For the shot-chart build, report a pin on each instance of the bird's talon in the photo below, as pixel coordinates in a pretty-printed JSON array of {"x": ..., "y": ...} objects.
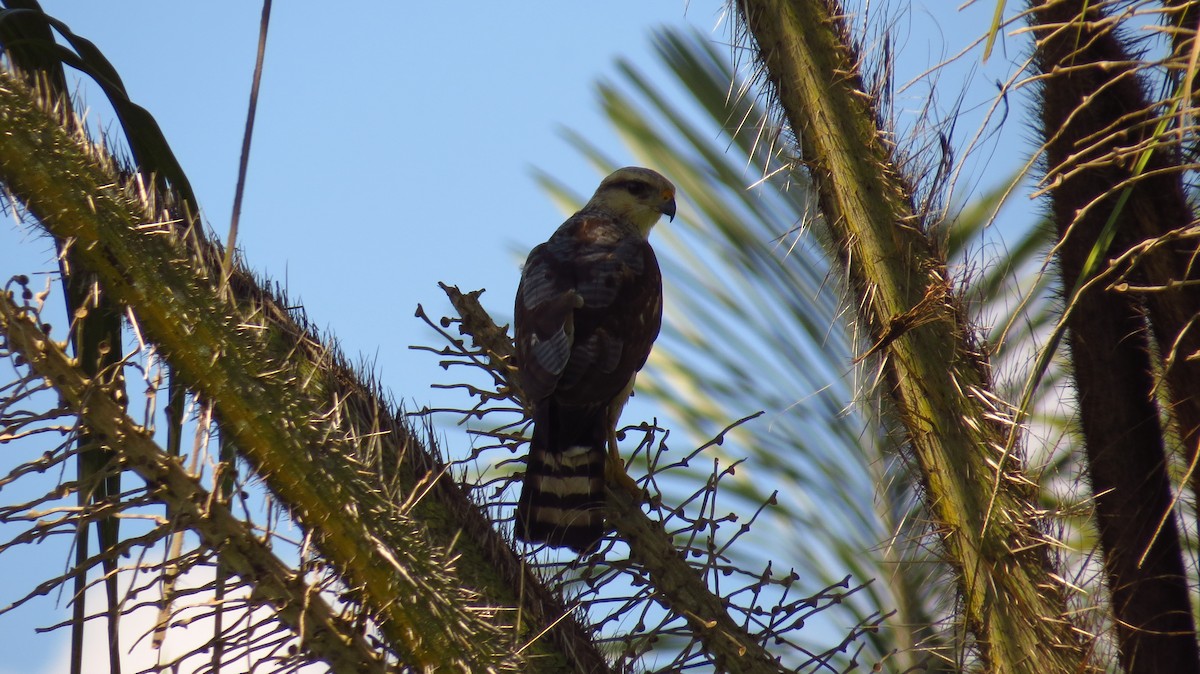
[{"x": 615, "y": 475}]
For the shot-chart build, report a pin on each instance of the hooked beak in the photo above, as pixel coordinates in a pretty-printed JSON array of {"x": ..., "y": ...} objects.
[{"x": 668, "y": 208}]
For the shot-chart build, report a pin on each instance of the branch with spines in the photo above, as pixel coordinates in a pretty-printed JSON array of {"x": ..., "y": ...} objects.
[
  {"x": 274, "y": 384},
  {"x": 328, "y": 637},
  {"x": 936, "y": 380}
]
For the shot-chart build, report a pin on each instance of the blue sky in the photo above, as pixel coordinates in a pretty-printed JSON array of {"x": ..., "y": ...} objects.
[
  {"x": 392, "y": 150},
  {"x": 390, "y": 153}
]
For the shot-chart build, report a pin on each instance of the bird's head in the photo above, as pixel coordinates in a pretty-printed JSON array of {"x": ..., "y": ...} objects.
[{"x": 637, "y": 194}]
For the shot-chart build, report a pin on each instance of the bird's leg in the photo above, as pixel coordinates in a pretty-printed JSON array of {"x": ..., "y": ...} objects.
[{"x": 614, "y": 469}]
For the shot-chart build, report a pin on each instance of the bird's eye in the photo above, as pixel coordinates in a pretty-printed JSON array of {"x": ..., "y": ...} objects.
[{"x": 638, "y": 190}]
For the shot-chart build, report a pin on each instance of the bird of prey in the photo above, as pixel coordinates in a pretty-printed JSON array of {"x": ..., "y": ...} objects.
[{"x": 587, "y": 312}]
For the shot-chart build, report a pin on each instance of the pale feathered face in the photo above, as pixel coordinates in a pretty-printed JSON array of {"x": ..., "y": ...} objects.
[{"x": 638, "y": 195}]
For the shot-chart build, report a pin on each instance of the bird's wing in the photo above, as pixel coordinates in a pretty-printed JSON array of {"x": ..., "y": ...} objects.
[
  {"x": 587, "y": 312},
  {"x": 543, "y": 323}
]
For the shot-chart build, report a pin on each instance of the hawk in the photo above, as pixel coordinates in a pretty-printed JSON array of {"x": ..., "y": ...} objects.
[{"x": 587, "y": 312}]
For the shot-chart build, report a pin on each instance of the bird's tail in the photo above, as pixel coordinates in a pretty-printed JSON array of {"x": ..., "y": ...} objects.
[{"x": 563, "y": 495}]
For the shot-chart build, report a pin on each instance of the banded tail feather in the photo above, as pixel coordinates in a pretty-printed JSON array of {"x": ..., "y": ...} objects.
[{"x": 562, "y": 498}]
